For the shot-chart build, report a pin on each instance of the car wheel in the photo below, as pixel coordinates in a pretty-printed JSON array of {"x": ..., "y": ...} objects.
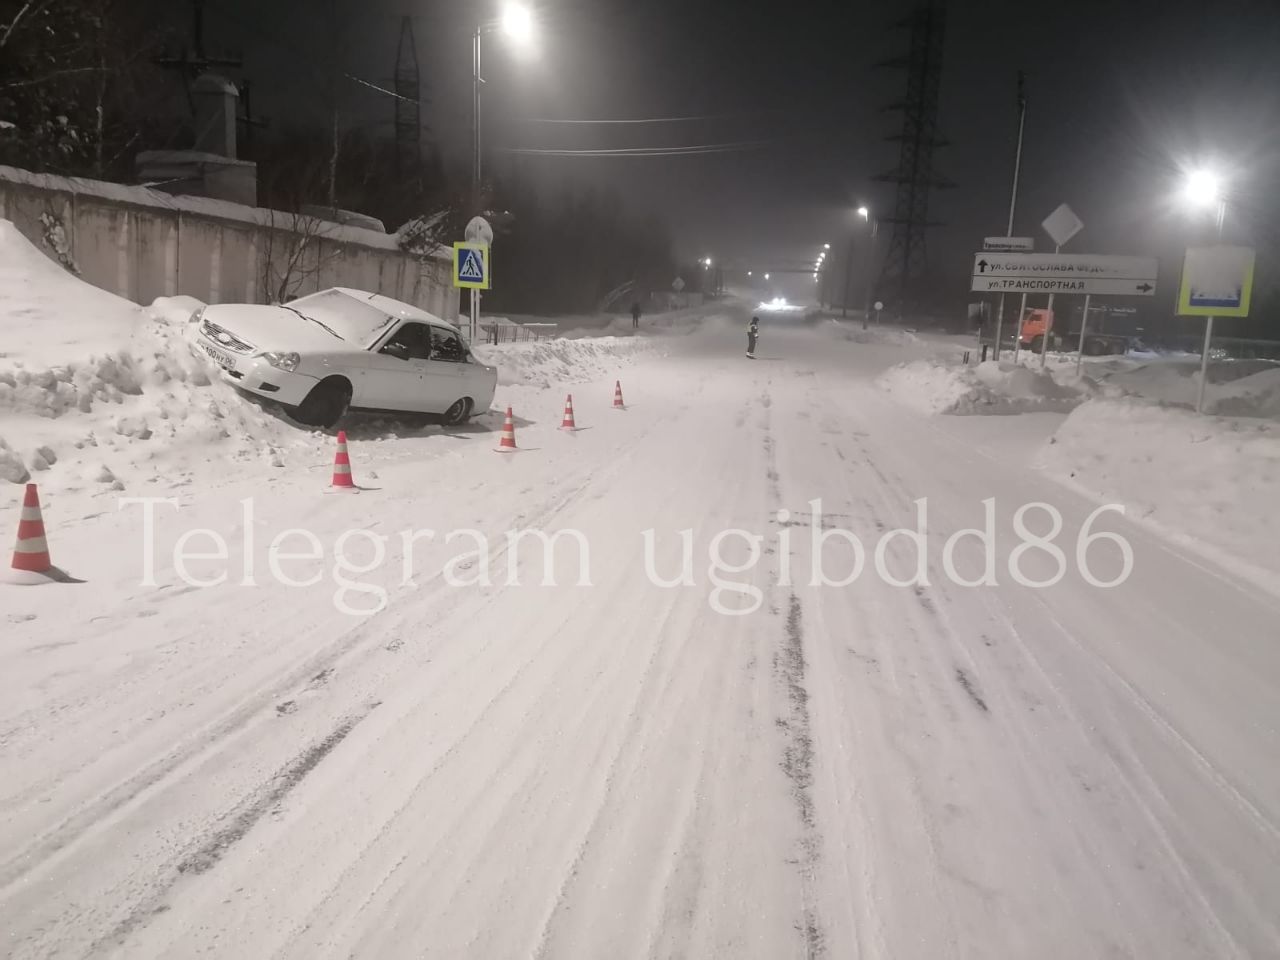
[
  {"x": 1036, "y": 343},
  {"x": 457, "y": 414},
  {"x": 326, "y": 404}
]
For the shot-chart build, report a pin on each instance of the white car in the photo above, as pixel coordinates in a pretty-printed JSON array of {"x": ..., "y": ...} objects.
[{"x": 341, "y": 349}]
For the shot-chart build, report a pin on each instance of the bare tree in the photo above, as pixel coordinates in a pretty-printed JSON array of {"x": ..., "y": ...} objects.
[{"x": 295, "y": 254}]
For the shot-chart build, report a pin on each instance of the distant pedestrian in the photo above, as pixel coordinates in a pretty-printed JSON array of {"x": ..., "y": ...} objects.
[
  {"x": 753, "y": 334},
  {"x": 635, "y": 315}
]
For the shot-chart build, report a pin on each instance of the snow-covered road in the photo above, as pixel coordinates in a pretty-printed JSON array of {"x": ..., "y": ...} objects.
[{"x": 620, "y": 770}]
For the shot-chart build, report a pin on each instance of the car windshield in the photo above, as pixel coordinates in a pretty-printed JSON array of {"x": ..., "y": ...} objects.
[{"x": 343, "y": 315}]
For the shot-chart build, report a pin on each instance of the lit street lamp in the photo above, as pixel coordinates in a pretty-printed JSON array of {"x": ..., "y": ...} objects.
[
  {"x": 865, "y": 214},
  {"x": 517, "y": 23}
]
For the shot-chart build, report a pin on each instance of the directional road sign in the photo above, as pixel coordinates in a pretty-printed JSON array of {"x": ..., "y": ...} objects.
[
  {"x": 995, "y": 272},
  {"x": 1216, "y": 282},
  {"x": 471, "y": 266}
]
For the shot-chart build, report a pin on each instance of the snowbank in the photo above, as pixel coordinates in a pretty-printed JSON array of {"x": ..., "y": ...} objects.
[
  {"x": 545, "y": 363},
  {"x": 935, "y": 387},
  {"x": 97, "y": 392},
  {"x": 852, "y": 331},
  {"x": 49, "y": 317},
  {"x": 1213, "y": 480},
  {"x": 1236, "y": 388}
]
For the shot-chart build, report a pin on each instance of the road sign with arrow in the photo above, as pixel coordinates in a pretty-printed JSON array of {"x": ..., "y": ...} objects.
[{"x": 1064, "y": 273}]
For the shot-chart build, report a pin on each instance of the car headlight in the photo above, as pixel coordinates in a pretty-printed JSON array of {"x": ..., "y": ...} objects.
[
  {"x": 282, "y": 361},
  {"x": 197, "y": 316}
]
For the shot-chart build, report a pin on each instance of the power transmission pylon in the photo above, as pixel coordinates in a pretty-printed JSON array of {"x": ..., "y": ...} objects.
[
  {"x": 408, "y": 112},
  {"x": 906, "y": 259}
]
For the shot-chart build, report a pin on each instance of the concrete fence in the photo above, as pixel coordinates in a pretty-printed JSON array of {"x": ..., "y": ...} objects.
[{"x": 142, "y": 244}]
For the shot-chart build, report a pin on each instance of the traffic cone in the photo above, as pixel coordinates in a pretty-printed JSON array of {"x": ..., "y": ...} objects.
[
  {"x": 31, "y": 554},
  {"x": 567, "y": 423},
  {"x": 508, "y": 441},
  {"x": 617, "y": 395},
  {"x": 342, "y": 463}
]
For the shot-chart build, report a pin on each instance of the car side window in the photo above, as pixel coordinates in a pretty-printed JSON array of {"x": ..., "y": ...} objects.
[
  {"x": 446, "y": 346},
  {"x": 410, "y": 342}
]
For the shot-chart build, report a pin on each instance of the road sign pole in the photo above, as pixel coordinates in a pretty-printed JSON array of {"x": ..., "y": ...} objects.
[
  {"x": 1053, "y": 321},
  {"x": 1204, "y": 365},
  {"x": 1017, "y": 331},
  {"x": 1084, "y": 322},
  {"x": 999, "y": 328}
]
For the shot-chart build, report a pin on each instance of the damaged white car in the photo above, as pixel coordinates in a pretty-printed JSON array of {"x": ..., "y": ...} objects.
[{"x": 342, "y": 349}]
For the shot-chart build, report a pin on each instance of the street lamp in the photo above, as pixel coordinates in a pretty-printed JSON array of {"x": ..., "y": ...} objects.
[
  {"x": 826, "y": 246},
  {"x": 518, "y": 25},
  {"x": 864, "y": 213}
]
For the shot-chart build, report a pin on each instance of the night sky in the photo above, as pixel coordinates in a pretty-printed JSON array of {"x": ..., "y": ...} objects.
[{"x": 1121, "y": 97}]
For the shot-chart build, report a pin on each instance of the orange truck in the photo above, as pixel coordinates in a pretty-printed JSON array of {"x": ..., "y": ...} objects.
[{"x": 1037, "y": 323}]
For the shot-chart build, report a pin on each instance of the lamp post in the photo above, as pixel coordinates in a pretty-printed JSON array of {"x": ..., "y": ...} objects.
[
  {"x": 871, "y": 237},
  {"x": 1203, "y": 188},
  {"x": 517, "y": 23},
  {"x": 865, "y": 214}
]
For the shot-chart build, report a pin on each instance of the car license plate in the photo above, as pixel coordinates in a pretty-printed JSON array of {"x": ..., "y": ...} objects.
[{"x": 224, "y": 360}]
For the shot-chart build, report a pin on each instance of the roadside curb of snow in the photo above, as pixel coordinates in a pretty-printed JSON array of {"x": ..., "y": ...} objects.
[
  {"x": 937, "y": 387},
  {"x": 1203, "y": 483}
]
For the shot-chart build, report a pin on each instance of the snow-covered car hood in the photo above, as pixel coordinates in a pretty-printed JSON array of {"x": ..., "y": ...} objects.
[{"x": 275, "y": 328}]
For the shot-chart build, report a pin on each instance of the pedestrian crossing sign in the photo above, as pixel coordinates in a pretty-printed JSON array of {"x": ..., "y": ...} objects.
[{"x": 471, "y": 266}]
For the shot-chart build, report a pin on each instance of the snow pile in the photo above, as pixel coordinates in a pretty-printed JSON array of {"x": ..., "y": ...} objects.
[
  {"x": 96, "y": 392},
  {"x": 927, "y": 385},
  {"x": 852, "y": 331},
  {"x": 1237, "y": 388},
  {"x": 1211, "y": 479},
  {"x": 1257, "y": 395},
  {"x": 546, "y": 363},
  {"x": 935, "y": 387}
]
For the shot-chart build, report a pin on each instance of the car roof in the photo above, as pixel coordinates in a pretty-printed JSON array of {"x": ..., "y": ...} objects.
[{"x": 396, "y": 308}]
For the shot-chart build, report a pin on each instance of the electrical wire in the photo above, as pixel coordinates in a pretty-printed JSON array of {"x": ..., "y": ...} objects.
[
  {"x": 709, "y": 116},
  {"x": 682, "y": 151}
]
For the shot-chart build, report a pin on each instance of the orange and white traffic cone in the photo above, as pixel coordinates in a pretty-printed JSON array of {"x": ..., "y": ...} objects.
[
  {"x": 31, "y": 554},
  {"x": 567, "y": 423},
  {"x": 342, "y": 463},
  {"x": 617, "y": 395},
  {"x": 508, "y": 441}
]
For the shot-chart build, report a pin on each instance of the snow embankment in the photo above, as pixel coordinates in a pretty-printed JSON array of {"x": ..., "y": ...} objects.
[
  {"x": 938, "y": 387},
  {"x": 547, "y": 363},
  {"x": 852, "y": 330},
  {"x": 1235, "y": 388},
  {"x": 1210, "y": 480},
  {"x": 97, "y": 392}
]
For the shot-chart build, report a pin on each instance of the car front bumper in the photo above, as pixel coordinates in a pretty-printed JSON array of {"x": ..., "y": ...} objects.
[{"x": 253, "y": 374}]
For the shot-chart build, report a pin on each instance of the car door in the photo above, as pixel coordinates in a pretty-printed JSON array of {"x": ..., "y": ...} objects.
[
  {"x": 445, "y": 378},
  {"x": 397, "y": 367}
]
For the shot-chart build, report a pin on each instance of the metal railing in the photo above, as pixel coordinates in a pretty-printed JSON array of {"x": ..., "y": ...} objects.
[{"x": 508, "y": 332}]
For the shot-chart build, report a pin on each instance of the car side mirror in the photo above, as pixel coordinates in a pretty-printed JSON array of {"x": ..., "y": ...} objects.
[{"x": 398, "y": 350}]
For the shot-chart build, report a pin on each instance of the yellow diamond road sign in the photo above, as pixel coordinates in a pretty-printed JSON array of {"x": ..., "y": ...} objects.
[{"x": 471, "y": 266}]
